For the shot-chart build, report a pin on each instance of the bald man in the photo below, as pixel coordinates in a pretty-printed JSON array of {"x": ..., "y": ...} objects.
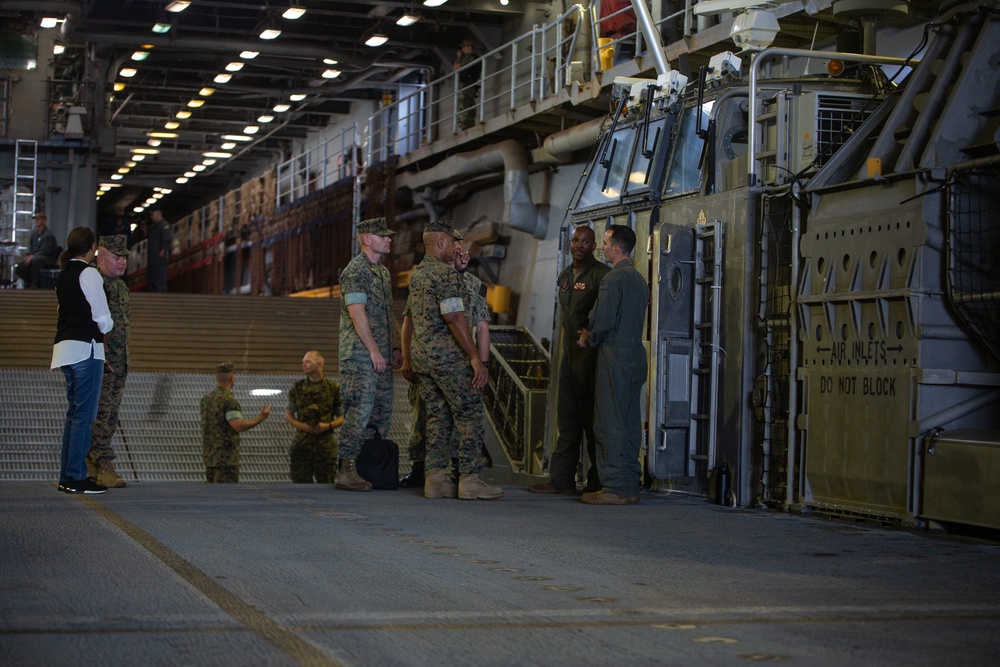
[{"x": 314, "y": 410}]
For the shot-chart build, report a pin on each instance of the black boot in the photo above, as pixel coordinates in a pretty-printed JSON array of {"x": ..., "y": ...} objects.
[{"x": 414, "y": 478}]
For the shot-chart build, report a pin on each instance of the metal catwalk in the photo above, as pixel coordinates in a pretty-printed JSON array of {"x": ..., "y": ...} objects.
[{"x": 185, "y": 573}]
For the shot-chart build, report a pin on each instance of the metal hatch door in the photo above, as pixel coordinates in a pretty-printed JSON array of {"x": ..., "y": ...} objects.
[{"x": 669, "y": 454}]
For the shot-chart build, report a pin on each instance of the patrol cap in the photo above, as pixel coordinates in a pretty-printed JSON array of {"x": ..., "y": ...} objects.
[
  {"x": 443, "y": 226},
  {"x": 375, "y": 226},
  {"x": 224, "y": 367},
  {"x": 115, "y": 244}
]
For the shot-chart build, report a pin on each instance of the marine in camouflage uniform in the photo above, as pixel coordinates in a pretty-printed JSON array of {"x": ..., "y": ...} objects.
[
  {"x": 468, "y": 86},
  {"x": 221, "y": 424},
  {"x": 440, "y": 353},
  {"x": 367, "y": 353},
  {"x": 314, "y": 410},
  {"x": 477, "y": 312},
  {"x": 112, "y": 258}
]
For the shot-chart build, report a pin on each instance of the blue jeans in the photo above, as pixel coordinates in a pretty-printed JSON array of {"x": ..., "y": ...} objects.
[{"x": 83, "y": 391}]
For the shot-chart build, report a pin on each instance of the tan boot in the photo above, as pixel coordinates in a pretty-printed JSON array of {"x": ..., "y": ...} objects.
[
  {"x": 438, "y": 484},
  {"x": 108, "y": 476},
  {"x": 348, "y": 478},
  {"x": 470, "y": 487},
  {"x": 92, "y": 469}
]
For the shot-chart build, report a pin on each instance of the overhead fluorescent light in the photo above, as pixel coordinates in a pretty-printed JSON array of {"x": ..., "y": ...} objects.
[
  {"x": 182, "y": 114},
  {"x": 331, "y": 73},
  {"x": 434, "y": 3},
  {"x": 49, "y": 22},
  {"x": 154, "y": 142},
  {"x": 409, "y": 18},
  {"x": 228, "y": 146},
  {"x": 208, "y": 162},
  {"x": 297, "y": 97},
  {"x": 162, "y": 135},
  {"x": 138, "y": 209},
  {"x": 171, "y": 125},
  {"x": 249, "y": 55},
  {"x": 105, "y": 187},
  {"x": 198, "y": 167},
  {"x": 281, "y": 108},
  {"x": 127, "y": 72},
  {"x": 123, "y": 170},
  {"x": 116, "y": 177},
  {"x": 189, "y": 174},
  {"x": 235, "y": 66},
  {"x": 377, "y": 39},
  {"x": 178, "y": 6},
  {"x": 251, "y": 129},
  {"x": 265, "y": 118},
  {"x": 119, "y": 86},
  {"x": 293, "y": 13},
  {"x": 157, "y": 196},
  {"x": 329, "y": 61},
  {"x": 222, "y": 78},
  {"x": 196, "y": 103},
  {"x": 131, "y": 163},
  {"x": 181, "y": 179},
  {"x": 161, "y": 28},
  {"x": 236, "y": 137},
  {"x": 140, "y": 55},
  {"x": 140, "y": 150},
  {"x": 218, "y": 154},
  {"x": 58, "y": 48},
  {"x": 138, "y": 158},
  {"x": 206, "y": 92},
  {"x": 270, "y": 33}
]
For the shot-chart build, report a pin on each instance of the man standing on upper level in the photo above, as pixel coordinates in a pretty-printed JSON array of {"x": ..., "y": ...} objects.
[
  {"x": 158, "y": 239},
  {"x": 368, "y": 353}
]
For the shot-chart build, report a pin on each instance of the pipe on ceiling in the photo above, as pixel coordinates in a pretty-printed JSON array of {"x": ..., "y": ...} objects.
[{"x": 70, "y": 8}]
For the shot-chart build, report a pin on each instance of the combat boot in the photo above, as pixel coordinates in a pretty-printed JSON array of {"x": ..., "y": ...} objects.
[
  {"x": 348, "y": 478},
  {"x": 470, "y": 487},
  {"x": 92, "y": 469},
  {"x": 439, "y": 485},
  {"x": 415, "y": 477},
  {"x": 108, "y": 476}
]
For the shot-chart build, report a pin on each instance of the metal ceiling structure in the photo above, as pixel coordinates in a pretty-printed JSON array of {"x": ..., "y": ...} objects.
[{"x": 207, "y": 38}]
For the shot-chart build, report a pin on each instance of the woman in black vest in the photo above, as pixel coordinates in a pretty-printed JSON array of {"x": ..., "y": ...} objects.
[{"x": 84, "y": 318}]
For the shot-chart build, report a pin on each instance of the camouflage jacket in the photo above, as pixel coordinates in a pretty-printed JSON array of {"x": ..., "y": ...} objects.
[
  {"x": 315, "y": 402},
  {"x": 116, "y": 340},
  {"x": 365, "y": 282},
  {"x": 220, "y": 443},
  {"x": 435, "y": 287},
  {"x": 476, "y": 309}
]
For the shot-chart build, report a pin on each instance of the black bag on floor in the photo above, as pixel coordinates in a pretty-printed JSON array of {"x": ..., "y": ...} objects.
[{"x": 378, "y": 462}]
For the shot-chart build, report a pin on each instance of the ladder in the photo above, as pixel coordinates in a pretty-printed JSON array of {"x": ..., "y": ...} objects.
[{"x": 25, "y": 177}]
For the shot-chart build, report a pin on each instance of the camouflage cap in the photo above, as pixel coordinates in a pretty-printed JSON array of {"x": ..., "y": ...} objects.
[
  {"x": 375, "y": 226},
  {"x": 224, "y": 367},
  {"x": 443, "y": 226},
  {"x": 116, "y": 244}
]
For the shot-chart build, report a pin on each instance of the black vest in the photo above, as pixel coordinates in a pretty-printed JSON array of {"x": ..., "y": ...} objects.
[{"x": 76, "y": 320}]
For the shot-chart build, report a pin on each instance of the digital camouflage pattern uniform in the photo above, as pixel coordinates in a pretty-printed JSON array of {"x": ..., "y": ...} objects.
[
  {"x": 220, "y": 443},
  {"x": 577, "y": 366},
  {"x": 444, "y": 374},
  {"x": 115, "y": 371},
  {"x": 476, "y": 310},
  {"x": 468, "y": 91},
  {"x": 367, "y": 395},
  {"x": 616, "y": 329},
  {"x": 314, "y": 454}
]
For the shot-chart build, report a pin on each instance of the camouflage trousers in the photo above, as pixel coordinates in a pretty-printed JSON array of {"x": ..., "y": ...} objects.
[
  {"x": 313, "y": 455},
  {"x": 367, "y": 399},
  {"x": 467, "y": 107},
  {"x": 222, "y": 474},
  {"x": 455, "y": 416},
  {"x": 106, "y": 423}
]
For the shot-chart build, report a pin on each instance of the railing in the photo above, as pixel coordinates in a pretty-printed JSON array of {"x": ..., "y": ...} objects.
[{"x": 319, "y": 166}]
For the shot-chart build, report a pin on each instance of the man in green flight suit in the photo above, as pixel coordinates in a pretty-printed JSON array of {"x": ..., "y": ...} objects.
[
  {"x": 578, "y": 288},
  {"x": 367, "y": 351},
  {"x": 616, "y": 330},
  {"x": 221, "y": 424},
  {"x": 112, "y": 258},
  {"x": 447, "y": 363},
  {"x": 314, "y": 410}
]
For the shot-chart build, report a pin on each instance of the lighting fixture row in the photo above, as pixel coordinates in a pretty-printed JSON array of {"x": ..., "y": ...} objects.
[{"x": 292, "y": 13}]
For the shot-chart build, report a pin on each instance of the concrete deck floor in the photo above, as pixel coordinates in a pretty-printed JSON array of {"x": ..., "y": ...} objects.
[{"x": 193, "y": 574}]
